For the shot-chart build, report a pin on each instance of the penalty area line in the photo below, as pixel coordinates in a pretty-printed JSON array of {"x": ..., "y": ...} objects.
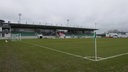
[{"x": 49, "y": 48}]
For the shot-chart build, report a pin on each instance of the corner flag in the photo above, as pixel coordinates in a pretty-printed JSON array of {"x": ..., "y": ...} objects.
[
  {"x": 94, "y": 34},
  {"x": 95, "y": 46}
]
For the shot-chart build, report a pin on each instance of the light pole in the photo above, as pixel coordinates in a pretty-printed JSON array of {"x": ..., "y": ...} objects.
[
  {"x": 19, "y": 21},
  {"x": 67, "y": 22}
]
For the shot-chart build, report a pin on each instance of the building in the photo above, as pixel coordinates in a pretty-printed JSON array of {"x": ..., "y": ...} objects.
[
  {"x": 32, "y": 30},
  {"x": 117, "y": 35}
]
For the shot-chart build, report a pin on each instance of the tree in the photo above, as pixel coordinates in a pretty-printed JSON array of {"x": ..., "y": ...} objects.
[{"x": 113, "y": 31}]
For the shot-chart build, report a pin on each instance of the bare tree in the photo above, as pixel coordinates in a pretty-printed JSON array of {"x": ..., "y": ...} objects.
[{"x": 113, "y": 31}]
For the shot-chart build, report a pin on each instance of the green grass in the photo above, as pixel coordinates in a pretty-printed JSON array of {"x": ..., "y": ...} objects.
[{"x": 23, "y": 56}]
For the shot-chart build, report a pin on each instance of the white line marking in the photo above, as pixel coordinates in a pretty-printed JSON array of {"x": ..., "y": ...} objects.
[
  {"x": 61, "y": 51},
  {"x": 93, "y": 57},
  {"x": 113, "y": 56},
  {"x": 87, "y": 58}
]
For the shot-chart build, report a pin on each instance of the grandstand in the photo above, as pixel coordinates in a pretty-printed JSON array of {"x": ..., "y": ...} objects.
[{"x": 33, "y": 30}]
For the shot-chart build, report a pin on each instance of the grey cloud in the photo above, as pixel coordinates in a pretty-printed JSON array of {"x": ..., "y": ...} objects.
[{"x": 108, "y": 14}]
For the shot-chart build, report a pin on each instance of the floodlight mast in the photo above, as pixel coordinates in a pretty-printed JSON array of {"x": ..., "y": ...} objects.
[
  {"x": 19, "y": 21},
  {"x": 67, "y": 22},
  {"x": 95, "y": 46}
]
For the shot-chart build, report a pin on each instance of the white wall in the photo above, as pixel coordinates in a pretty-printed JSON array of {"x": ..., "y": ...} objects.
[
  {"x": 127, "y": 34},
  {"x": 8, "y": 35},
  {"x": 0, "y": 29}
]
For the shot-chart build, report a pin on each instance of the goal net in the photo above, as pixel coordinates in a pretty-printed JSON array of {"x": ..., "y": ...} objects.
[{"x": 15, "y": 37}]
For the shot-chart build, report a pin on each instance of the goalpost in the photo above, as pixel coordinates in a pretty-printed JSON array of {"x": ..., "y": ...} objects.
[{"x": 15, "y": 37}]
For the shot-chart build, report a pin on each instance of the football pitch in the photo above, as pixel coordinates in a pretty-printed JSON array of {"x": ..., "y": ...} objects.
[{"x": 64, "y": 55}]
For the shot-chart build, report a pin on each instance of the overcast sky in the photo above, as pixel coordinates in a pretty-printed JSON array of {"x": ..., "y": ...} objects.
[{"x": 107, "y": 14}]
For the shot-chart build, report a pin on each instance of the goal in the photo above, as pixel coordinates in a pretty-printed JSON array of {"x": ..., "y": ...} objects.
[{"x": 15, "y": 37}]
